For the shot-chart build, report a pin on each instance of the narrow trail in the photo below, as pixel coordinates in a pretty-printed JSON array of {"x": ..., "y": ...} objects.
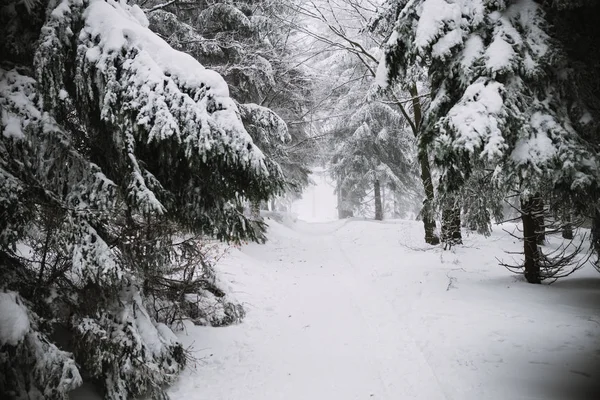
[
  {"x": 323, "y": 331},
  {"x": 334, "y": 314}
]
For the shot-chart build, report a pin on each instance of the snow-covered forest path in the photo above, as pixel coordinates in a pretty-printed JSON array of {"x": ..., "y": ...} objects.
[{"x": 359, "y": 310}]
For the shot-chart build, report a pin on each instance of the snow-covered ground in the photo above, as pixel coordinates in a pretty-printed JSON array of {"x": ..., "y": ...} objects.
[{"x": 360, "y": 309}]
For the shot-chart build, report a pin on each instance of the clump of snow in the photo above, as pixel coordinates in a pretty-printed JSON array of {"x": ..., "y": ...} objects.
[
  {"x": 11, "y": 126},
  {"x": 209, "y": 305},
  {"x": 154, "y": 336},
  {"x": 116, "y": 28},
  {"x": 499, "y": 54},
  {"x": 477, "y": 119},
  {"x": 163, "y": 84},
  {"x": 270, "y": 125},
  {"x": 139, "y": 15},
  {"x": 381, "y": 76},
  {"x": 166, "y": 333},
  {"x": 537, "y": 149},
  {"x": 435, "y": 15},
  {"x": 446, "y": 43},
  {"x": 527, "y": 14},
  {"x": 14, "y": 320},
  {"x": 92, "y": 257},
  {"x": 18, "y": 102}
]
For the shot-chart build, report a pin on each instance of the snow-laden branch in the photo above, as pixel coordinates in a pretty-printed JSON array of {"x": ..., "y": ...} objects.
[{"x": 159, "y": 6}]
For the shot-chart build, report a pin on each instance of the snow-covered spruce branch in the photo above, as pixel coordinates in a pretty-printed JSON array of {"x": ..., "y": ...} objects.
[{"x": 159, "y": 6}]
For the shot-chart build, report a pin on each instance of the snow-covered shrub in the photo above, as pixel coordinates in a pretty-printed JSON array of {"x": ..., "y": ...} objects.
[
  {"x": 210, "y": 308},
  {"x": 191, "y": 289},
  {"x": 124, "y": 349}
]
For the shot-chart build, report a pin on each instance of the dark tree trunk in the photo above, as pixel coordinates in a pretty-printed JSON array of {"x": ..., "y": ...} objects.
[
  {"x": 596, "y": 232},
  {"x": 456, "y": 225},
  {"x": 567, "y": 226},
  {"x": 255, "y": 209},
  {"x": 530, "y": 241},
  {"x": 537, "y": 204},
  {"x": 396, "y": 206},
  {"x": 342, "y": 211},
  {"x": 378, "y": 205},
  {"x": 451, "y": 234},
  {"x": 567, "y": 231},
  {"x": 429, "y": 223},
  {"x": 383, "y": 202},
  {"x": 427, "y": 211}
]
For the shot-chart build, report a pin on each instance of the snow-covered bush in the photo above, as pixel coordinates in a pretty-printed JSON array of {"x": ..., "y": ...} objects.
[{"x": 124, "y": 349}]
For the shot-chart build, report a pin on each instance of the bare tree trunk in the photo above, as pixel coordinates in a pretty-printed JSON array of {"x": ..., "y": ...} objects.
[
  {"x": 255, "y": 209},
  {"x": 530, "y": 241},
  {"x": 378, "y": 206},
  {"x": 383, "y": 193},
  {"x": 396, "y": 205},
  {"x": 595, "y": 232},
  {"x": 427, "y": 211},
  {"x": 451, "y": 234},
  {"x": 537, "y": 204},
  {"x": 456, "y": 223},
  {"x": 342, "y": 211},
  {"x": 567, "y": 226}
]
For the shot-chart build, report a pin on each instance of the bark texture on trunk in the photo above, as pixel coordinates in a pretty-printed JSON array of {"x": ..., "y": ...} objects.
[
  {"x": 429, "y": 223},
  {"x": 567, "y": 231},
  {"x": 537, "y": 204},
  {"x": 567, "y": 223},
  {"x": 427, "y": 211},
  {"x": 451, "y": 234},
  {"x": 530, "y": 241},
  {"x": 378, "y": 205},
  {"x": 342, "y": 211},
  {"x": 596, "y": 232},
  {"x": 255, "y": 209}
]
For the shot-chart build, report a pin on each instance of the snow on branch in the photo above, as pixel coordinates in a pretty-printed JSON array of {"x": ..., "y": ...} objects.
[
  {"x": 57, "y": 165},
  {"x": 159, "y": 6},
  {"x": 263, "y": 124},
  {"x": 148, "y": 96}
]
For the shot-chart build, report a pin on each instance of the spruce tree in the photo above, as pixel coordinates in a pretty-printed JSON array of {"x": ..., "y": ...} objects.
[
  {"x": 249, "y": 44},
  {"x": 499, "y": 100},
  {"x": 114, "y": 147}
]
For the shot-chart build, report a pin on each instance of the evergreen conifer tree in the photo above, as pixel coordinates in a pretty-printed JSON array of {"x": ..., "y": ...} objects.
[
  {"x": 499, "y": 100},
  {"x": 114, "y": 146}
]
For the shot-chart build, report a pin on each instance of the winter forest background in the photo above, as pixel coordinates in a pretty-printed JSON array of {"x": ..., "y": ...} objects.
[{"x": 146, "y": 141}]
